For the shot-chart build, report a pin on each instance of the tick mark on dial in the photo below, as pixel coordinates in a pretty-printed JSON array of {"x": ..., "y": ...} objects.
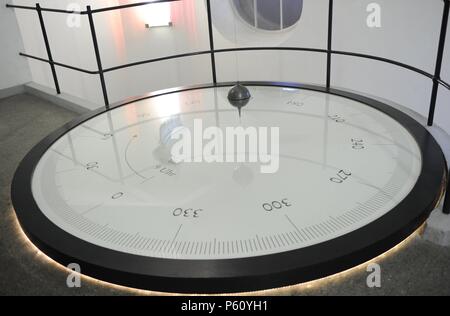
[
  {"x": 176, "y": 234},
  {"x": 171, "y": 247},
  {"x": 66, "y": 170},
  {"x": 91, "y": 209},
  {"x": 147, "y": 179},
  {"x": 292, "y": 223}
]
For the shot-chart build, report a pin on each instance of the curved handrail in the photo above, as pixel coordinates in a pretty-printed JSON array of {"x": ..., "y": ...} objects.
[
  {"x": 104, "y": 9},
  {"x": 226, "y": 50},
  {"x": 436, "y": 77}
]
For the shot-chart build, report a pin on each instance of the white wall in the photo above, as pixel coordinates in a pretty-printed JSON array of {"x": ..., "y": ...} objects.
[
  {"x": 409, "y": 34},
  {"x": 14, "y": 70}
]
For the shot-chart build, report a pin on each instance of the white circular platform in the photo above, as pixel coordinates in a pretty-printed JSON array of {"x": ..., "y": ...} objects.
[{"x": 111, "y": 182}]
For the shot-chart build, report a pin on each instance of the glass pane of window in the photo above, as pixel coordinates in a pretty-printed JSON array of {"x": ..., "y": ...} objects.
[
  {"x": 271, "y": 15},
  {"x": 292, "y": 11},
  {"x": 268, "y": 15},
  {"x": 246, "y": 10}
]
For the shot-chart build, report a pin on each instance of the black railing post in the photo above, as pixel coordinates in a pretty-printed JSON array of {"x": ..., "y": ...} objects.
[
  {"x": 330, "y": 42},
  {"x": 211, "y": 42},
  {"x": 47, "y": 47},
  {"x": 446, "y": 207},
  {"x": 97, "y": 56},
  {"x": 440, "y": 55}
]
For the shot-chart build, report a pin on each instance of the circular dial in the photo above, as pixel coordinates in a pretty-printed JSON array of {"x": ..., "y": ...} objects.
[{"x": 111, "y": 181}]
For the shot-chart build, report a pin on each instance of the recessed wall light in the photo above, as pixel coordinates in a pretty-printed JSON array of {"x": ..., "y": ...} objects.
[{"x": 158, "y": 15}]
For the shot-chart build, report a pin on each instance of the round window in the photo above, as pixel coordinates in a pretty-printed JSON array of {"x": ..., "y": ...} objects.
[{"x": 269, "y": 15}]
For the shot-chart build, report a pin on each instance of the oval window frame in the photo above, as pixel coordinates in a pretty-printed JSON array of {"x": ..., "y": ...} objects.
[{"x": 254, "y": 27}]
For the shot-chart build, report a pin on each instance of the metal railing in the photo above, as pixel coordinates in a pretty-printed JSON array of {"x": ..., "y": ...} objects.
[{"x": 435, "y": 77}]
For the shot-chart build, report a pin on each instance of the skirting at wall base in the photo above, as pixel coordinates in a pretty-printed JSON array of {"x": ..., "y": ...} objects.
[
  {"x": 67, "y": 101},
  {"x": 8, "y": 92}
]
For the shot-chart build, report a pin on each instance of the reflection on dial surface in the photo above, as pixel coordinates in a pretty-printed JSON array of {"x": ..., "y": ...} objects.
[{"x": 110, "y": 181}]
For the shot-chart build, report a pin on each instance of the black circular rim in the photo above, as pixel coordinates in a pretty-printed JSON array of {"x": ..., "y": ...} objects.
[{"x": 241, "y": 274}]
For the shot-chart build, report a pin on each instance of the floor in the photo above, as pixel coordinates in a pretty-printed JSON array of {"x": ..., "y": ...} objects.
[{"x": 417, "y": 268}]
